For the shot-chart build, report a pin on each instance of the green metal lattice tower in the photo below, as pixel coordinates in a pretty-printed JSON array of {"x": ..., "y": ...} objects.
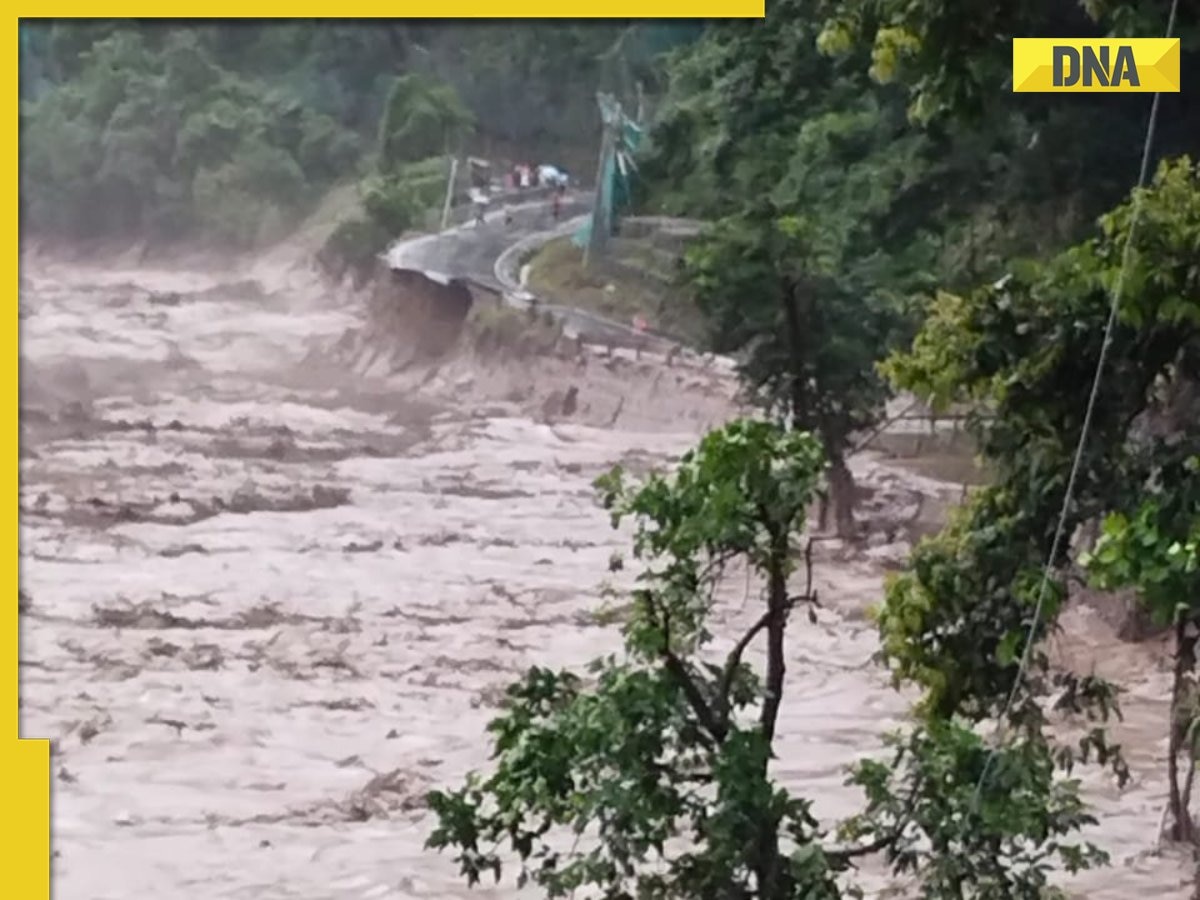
[{"x": 620, "y": 136}]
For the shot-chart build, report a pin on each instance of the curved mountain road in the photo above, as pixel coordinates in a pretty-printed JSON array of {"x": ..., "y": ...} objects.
[{"x": 469, "y": 251}]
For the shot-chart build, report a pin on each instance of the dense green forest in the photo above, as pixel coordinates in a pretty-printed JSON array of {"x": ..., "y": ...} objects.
[{"x": 234, "y": 130}]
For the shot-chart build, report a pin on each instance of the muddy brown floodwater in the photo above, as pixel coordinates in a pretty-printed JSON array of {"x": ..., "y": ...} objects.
[{"x": 271, "y": 599}]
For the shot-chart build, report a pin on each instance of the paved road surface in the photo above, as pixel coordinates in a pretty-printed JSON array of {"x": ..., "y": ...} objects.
[{"x": 471, "y": 251}]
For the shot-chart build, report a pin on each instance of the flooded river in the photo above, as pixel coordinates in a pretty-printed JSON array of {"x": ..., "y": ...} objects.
[{"x": 271, "y": 599}]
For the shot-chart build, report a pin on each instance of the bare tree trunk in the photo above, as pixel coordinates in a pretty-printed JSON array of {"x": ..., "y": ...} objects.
[
  {"x": 796, "y": 388},
  {"x": 769, "y": 869},
  {"x": 822, "y": 509},
  {"x": 777, "y": 599},
  {"x": 841, "y": 496},
  {"x": 1182, "y": 828}
]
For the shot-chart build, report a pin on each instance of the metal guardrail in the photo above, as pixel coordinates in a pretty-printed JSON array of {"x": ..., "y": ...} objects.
[
  {"x": 508, "y": 264},
  {"x": 578, "y": 323}
]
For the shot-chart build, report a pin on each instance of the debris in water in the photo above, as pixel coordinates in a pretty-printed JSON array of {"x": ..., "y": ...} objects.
[
  {"x": 385, "y": 795},
  {"x": 355, "y": 547},
  {"x": 175, "y": 552},
  {"x": 90, "y": 729}
]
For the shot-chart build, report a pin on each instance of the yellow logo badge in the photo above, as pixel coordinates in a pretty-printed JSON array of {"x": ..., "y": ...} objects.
[{"x": 1107, "y": 65}]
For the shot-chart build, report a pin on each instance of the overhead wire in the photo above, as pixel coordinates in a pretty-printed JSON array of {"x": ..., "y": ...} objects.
[{"x": 1098, "y": 377}]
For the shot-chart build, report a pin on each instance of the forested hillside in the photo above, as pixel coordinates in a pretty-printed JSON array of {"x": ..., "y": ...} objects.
[{"x": 233, "y": 130}]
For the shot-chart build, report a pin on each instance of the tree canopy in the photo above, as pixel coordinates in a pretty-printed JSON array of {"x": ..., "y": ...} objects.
[{"x": 233, "y": 130}]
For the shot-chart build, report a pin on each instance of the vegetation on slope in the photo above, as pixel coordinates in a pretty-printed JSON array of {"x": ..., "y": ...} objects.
[
  {"x": 636, "y": 279},
  {"x": 232, "y": 131}
]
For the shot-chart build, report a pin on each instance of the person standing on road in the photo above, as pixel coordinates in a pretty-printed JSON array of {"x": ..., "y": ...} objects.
[{"x": 479, "y": 204}]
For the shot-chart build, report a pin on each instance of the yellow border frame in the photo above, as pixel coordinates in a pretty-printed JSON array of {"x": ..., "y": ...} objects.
[
  {"x": 25, "y": 762},
  {"x": 457, "y": 9}
]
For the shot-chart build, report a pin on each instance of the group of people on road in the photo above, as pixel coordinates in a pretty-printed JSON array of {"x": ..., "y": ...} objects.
[
  {"x": 517, "y": 177},
  {"x": 523, "y": 176},
  {"x": 480, "y": 202}
]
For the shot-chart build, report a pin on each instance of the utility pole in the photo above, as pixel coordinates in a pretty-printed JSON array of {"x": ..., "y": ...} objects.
[{"x": 449, "y": 192}]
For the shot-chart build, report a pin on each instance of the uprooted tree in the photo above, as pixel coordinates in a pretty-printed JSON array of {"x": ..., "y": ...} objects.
[{"x": 650, "y": 774}]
